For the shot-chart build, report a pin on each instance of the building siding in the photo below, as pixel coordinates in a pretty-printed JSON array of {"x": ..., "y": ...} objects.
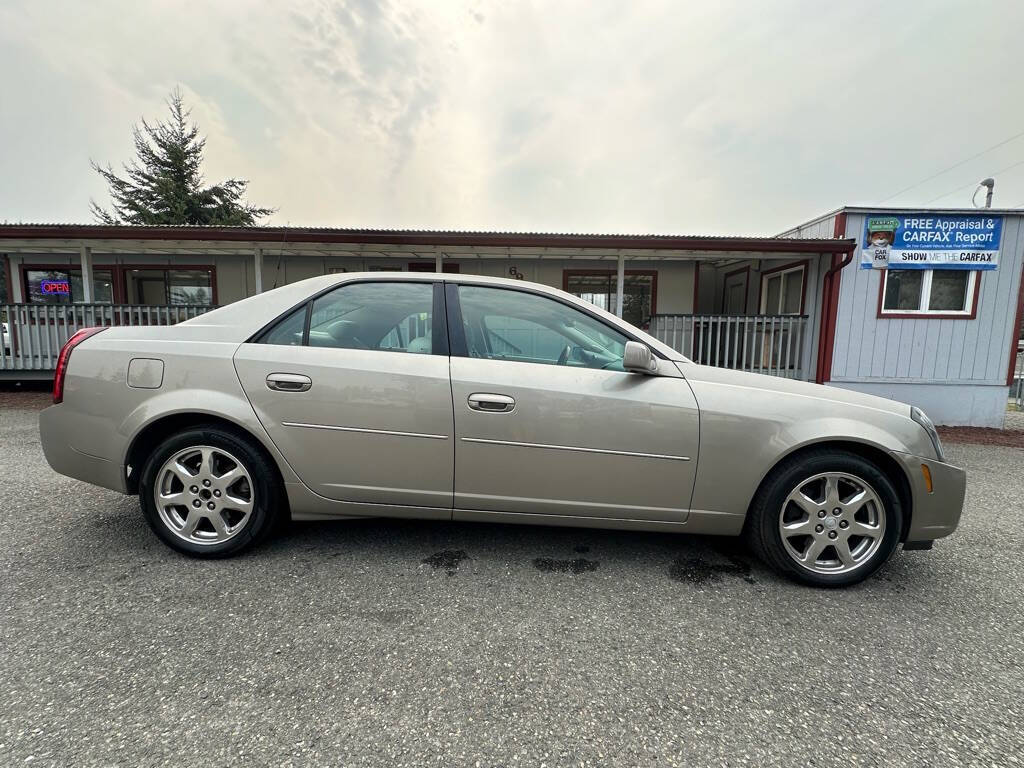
[
  {"x": 924, "y": 350},
  {"x": 235, "y": 274},
  {"x": 955, "y": 369},
  {"x": 818, "y": 229}
]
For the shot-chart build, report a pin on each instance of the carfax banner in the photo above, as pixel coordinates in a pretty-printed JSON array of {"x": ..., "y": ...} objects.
[{"x": 931, "y": 241}]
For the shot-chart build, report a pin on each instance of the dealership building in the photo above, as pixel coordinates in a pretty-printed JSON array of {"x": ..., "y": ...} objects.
[
  {"x": 923, "y": 306},
  {"x": 934, "y": 315}
]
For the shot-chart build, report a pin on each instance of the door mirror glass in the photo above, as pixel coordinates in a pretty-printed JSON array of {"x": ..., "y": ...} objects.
[{"x": 638, "y": 358}]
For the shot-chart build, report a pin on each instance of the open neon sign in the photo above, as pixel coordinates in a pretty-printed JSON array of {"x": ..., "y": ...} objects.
[{"x": 49, "y": 287}]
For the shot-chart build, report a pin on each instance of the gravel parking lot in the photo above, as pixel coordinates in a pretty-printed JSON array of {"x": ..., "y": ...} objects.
[{"x": 402, "y": 643}]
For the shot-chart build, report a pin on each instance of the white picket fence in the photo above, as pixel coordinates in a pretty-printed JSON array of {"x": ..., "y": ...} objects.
[
  {"x": 31, "y": 335},
  {"x": 770, "y": 344}
]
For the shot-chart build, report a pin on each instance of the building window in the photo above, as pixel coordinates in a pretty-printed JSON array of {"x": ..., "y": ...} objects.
[
  {"x": 928, "y": 292},
  {"x": 160, "y": 287},
  {"x": 429, "y": 266},
  {"x": 64, "y": 286},
  {"x": 599, "y": 288},
  {"x": 782, "y": 291}
]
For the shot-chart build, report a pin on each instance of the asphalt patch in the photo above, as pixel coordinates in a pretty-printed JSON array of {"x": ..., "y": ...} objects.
[
  {"x": 449, "y": 560},
  {"x": 550, "y": 565}
]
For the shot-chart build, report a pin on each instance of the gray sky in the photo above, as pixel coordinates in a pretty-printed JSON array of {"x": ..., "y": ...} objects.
[{"x": 598, "y": 116}]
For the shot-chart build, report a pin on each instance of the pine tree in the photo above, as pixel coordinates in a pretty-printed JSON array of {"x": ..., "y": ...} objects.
[{"x": 164, "y": 184}]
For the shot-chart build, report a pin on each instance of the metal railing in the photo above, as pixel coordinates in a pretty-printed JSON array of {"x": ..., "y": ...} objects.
[
  {"x": 771, "y": 344},
  {"x": 31, "y": 335}
]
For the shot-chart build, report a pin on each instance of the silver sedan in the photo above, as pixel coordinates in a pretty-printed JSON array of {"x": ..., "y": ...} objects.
[{"x": 469, "y": 398}]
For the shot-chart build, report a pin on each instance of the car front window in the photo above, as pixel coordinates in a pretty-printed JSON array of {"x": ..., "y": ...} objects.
[{"x": 505, "y": 324}]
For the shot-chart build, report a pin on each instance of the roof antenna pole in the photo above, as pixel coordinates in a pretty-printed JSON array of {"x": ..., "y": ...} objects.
[{"x": 990, "y": 185}]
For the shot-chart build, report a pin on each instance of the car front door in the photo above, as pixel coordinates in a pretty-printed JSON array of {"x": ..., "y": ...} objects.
[
  {"x": 548, "y": 422},
  {"x": 353, "y": 389}
]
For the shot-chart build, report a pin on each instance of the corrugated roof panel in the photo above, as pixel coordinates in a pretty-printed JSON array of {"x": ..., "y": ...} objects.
[{"x": 420, "y": 237}]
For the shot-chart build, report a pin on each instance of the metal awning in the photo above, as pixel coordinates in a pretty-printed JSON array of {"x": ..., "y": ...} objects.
[
  {"x": 275, "y": 242},
  {"x": 302, "y": 241}
]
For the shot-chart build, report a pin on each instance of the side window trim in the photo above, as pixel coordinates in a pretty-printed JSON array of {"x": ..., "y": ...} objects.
[
  {"x": 306, "y": 322},
  {"x": 453, "y": 314},
  {"x": 439, "y": 322},
  {"x": 457, "y": 335}
]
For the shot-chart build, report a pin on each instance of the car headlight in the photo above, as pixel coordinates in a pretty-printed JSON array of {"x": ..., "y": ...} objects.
[{"x": 933, "y": 434}]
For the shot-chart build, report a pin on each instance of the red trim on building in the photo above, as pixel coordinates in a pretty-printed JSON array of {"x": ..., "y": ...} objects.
[
  {"x": 803, "y": 284},
  {"x": 283, "y": 236},
  {"x": 652, "y": 273},
  {"x": 926, "y": 315},
  {"x": 1015, "y": 335},
  {"x": 830, "y": 303}
]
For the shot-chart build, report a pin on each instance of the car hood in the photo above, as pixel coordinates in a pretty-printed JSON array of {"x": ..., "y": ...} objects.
[{"x": 712, "y": 375}]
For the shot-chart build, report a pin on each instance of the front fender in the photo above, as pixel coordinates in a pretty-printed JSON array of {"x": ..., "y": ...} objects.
[{"x": 745, "y": 432}]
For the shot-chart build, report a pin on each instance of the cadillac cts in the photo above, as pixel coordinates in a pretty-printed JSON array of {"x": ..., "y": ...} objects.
[{"x": 469, "y": 398}]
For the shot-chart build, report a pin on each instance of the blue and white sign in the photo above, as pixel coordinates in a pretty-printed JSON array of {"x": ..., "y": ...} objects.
[{"x": 931, "y": 241}]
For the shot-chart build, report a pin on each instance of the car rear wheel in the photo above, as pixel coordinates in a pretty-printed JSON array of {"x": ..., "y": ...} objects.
[
  {"x": 208, "y": 492},
  {"x": 828, "y": 518}
]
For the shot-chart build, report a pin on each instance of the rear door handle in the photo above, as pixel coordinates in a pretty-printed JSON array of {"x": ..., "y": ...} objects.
[
  {"x": 490, "y": 403},
  {"x": 288, "y": 382}
]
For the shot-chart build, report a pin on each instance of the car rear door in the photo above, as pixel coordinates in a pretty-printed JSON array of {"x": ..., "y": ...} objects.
[
  {"x": 353, "y": 388},
  {"x": 548, "y": 422}
]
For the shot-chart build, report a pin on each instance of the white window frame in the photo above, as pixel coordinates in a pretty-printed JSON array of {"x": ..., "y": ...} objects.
[
  {"x": 926, "y": 295},
  {"x": 802, "y": 268}
]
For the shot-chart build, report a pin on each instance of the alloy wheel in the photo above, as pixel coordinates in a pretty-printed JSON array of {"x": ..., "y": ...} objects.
[
  {"x": 832, "y": 523},
  {"x": 204, "y": 495}
]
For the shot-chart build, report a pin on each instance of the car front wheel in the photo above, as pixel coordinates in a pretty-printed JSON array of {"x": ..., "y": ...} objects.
[
  {"x": 829, "y": 518},
  {"x": 208, "y": 492}
]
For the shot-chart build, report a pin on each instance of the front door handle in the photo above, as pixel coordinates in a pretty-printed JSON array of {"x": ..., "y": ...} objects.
[
  {"x": 288, "y": 382},
  {"x": 489, "y": 403}
]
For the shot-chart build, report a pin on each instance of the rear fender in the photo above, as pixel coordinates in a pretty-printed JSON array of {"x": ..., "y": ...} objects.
[{"x": 234, "y": 408}]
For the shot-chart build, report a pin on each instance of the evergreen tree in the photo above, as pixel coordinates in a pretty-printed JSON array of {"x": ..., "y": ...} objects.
[{"x": 164, "y": 184}]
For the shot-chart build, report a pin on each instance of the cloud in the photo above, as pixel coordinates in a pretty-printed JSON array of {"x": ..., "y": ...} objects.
[{"x": 600, "y": 116}]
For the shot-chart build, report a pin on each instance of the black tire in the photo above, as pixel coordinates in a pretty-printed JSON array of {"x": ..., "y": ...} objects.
[
  {"x": 268, "y": 501},
  {"x": 762, "y": 525}
]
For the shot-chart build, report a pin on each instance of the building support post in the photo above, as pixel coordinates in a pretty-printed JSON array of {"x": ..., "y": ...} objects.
[
  {"x": 86, "y": 257},
  {"x": 14, "y": 288},
  {"x": 620, "y": 281},
  {"x": 439, "y": 262},
  {"x": 259, "y": 270}
]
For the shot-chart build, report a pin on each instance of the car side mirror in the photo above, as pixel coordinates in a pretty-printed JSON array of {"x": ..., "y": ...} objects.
[{"x": 638, "y": 358}]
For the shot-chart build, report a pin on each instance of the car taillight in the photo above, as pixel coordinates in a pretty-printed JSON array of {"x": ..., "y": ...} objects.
[{"x": 64, "y": 356}]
